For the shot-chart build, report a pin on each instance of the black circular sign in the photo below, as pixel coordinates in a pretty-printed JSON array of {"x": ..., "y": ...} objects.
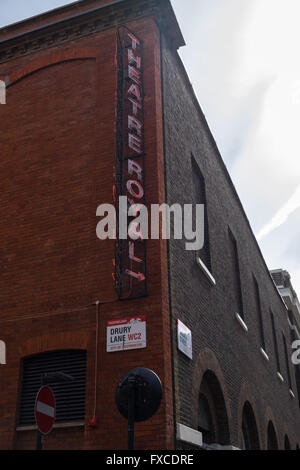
[{"x": 147, "y": 391}]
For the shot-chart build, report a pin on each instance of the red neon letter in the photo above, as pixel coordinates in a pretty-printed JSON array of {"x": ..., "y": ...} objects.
[
  {"x": 134, "y": 41},
  {"x": 135, "y": 91},
  {"x": 131, "y": 253},
  {"x": 135, "y": 124},
  {"x": 140, "y": 192},
  {"x": 132, "y": 59},
  {"x": 134, "y": 167},
  {"x": 134, "y": 74},
  {"x": 135, "y": 143}
]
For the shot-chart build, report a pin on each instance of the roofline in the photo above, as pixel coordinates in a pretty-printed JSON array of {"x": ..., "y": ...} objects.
[
  {"x": 55, "y": 23},
  {"x": 178, "y": 34},
  {"x": 40, "y": 15}
]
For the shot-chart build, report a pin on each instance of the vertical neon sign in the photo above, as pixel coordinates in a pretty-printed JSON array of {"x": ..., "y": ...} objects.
[{"x": 130, "y": 253}]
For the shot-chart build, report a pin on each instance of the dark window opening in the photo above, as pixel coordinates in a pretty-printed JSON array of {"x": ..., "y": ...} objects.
[
  {"x": 237, "y": 275},
  {"x": 205, "y": 423},
  {"x": 250, "y": 439},
  {"x": 200, "y": 198},
  {"x": 69, "y": 396},
  {"x": 275, "y": 342},
  {"x": 272, "y": 438},
  {"x": 212, "y": 413},
  {"x": 287, "y": 361},
  {"x": 259, "y": 314},
  {"x": 287, "y": 445}
]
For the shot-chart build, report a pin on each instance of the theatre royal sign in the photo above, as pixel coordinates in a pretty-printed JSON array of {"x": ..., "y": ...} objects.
[{"x": 130, "y": 275}]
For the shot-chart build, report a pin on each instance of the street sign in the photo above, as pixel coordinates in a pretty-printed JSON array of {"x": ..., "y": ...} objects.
[
  {"x": 138, "y": 397},
  {"x": 184, "y": 339},
  {"x": 126, "y": 334},
  {"x": 45, "y": 410},
  {"x": 147, "y": 392}
]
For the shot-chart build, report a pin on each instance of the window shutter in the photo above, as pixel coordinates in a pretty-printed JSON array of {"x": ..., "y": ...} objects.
[{"x": 69, "y": 396}]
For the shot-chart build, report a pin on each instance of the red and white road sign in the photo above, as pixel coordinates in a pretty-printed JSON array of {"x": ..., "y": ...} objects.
[{"x": 45, "y": 410}]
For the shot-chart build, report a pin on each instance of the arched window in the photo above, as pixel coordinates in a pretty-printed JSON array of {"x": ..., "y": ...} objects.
[
  {"x": 272, "y": 438},
  {"x": 287, "y": 445},
  {"x": 69, "y": 396},
  {"x": 205, "y": 422},
  {"x": 198, "y": 181},
  {"x": 250, "y": 439},
  {"x": 212, "y": 414}
]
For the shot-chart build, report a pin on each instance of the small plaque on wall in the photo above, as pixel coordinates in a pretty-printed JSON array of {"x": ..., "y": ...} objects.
[{"x": 184, "y": 339}]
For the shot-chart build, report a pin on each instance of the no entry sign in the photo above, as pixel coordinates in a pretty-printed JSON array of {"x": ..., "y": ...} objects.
[{"x": 45, "y": 410}]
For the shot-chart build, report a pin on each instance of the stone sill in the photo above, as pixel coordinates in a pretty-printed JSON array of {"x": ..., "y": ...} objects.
[
  {"x": 241, "y": 322},
  {"x": 206, "y": 271},
  {"x": 280, "y": 377},
  {"x": 71, "y": 424},
  {"x": 189, "y": 435},
  {"x": 292, "y": 393},
  {"x": 264, "y": 354}
]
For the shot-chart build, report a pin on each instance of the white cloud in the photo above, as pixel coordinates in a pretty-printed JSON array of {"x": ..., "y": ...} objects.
[
  {"x": 272, "y": 148},
  {"x": 282, "y": 215},
  {"x": 243, "y": 63}
]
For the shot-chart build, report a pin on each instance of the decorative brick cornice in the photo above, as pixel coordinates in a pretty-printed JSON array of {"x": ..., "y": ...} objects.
[{"x": 89, "y": 22}]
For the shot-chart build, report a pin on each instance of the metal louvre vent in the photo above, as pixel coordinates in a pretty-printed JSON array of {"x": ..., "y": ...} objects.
[{"x": 69, "y": 396}]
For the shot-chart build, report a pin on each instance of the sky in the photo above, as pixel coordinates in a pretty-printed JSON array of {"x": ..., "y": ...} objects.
[{"x": 242, "y": 60}]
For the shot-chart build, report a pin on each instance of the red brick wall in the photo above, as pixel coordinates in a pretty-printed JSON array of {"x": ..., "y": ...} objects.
[{"x": 58, "y": 153}]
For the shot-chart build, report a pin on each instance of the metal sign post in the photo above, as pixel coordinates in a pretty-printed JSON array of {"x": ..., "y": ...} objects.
[
  {"x": 45, "y": 407},
  {"x": 131, "y": 408},
  {"x": 39, "y": 441}
]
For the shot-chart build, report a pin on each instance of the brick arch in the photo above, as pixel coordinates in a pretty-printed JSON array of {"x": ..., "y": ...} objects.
[
  {"x": 48, "y": 60},
  {"x": 269, "y": 417},
  {"x": 53, "y": 342},
  {"x": 246, "y": 396},
  {"x": 208, "y": 362}
]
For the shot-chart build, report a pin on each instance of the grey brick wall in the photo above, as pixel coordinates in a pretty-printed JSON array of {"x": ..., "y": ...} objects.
[{"x": 209, "y": 310}]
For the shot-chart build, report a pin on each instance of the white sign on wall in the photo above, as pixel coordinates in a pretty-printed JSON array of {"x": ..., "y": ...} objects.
[
  {"x": 184, "y": 339},
  {"x": 2, "y": 353},
  {"x": 126, "y": 334},
  {"x": 2, "y": 92}
]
